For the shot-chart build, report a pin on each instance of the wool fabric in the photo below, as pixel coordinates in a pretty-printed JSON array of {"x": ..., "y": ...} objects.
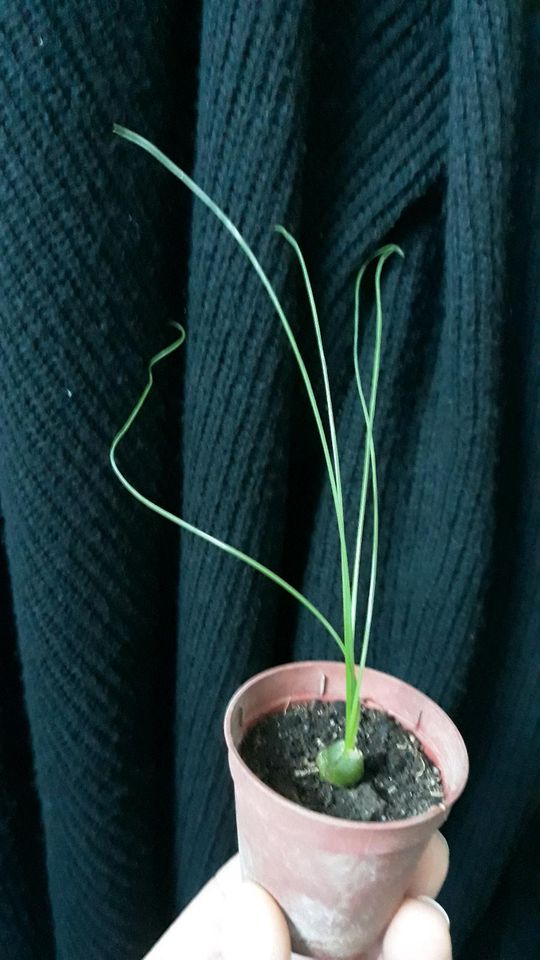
[{"x": 352, "y": 124}]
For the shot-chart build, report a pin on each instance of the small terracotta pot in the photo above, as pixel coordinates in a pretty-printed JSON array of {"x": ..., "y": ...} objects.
[{"x": 338, "y": 881}]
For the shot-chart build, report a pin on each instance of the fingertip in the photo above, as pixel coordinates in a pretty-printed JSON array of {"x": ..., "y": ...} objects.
[
  {"x": 255, "y": 926},
  {"x": 435, "y": 905},
  {"x": 420, "y": 928},
  {"x": 432, "y": 868}
]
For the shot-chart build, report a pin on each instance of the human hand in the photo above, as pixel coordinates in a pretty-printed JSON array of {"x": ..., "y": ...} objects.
[{"x": 231, "y": 920}]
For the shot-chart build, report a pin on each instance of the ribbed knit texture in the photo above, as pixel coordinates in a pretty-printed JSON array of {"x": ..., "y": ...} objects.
[
  {"x": 86, "y": 290},
  {"x": 351, "y": 124},
  {"x": 235, "y": 460}
]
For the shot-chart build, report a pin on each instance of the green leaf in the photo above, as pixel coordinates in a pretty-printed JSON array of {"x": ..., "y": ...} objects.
[{"x": 183, "y": 524}]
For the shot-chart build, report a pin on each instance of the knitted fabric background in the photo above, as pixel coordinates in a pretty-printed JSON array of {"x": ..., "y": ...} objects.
[{"x": 352, "y": 124}]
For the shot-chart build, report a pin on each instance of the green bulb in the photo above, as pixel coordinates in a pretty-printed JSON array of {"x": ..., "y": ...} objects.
[{"x": 340, "y": 766}]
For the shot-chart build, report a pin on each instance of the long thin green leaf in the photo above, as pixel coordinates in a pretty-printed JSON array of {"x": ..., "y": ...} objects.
[
  {"x": 369, "y": 460},
  {"x": 227, "y": 548},
  {"x": 247, "y": 251},
  {"x": 348, "y": 634},
  {"x": 331, "y": 421}
]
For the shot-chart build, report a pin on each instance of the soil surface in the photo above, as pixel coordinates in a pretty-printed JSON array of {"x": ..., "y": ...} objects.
[{"x": 399, "y": 781}]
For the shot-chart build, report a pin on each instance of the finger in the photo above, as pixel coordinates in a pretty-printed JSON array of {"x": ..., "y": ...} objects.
[
  {"x": 255, "y": 928},
  {"x": 420, "y": 929},
  {"x": 197, "y": 932},
  {"x": 432, "y": 868},
  {"x": 228, "y": 877}
]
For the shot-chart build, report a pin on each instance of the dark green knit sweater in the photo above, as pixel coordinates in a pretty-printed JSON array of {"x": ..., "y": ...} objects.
[{"x": 352, "y": 123}]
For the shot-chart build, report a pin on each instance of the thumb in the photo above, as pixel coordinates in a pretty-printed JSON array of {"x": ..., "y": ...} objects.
[
  {"x": 255, "y": 928},
  {"x": 420, "y": 928}
]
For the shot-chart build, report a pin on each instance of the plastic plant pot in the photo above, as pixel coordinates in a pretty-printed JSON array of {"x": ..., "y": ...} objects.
[{"x": 338, "y": 881}]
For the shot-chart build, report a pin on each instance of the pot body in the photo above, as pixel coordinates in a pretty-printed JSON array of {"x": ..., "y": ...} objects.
[{"x": 338, "y": 882}]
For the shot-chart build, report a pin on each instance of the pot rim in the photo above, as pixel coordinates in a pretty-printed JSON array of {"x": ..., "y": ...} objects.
[{"x": 438, "y": 812}]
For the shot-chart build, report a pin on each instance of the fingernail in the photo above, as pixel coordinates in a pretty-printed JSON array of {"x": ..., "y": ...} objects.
[
  {"x": 444, "y": 840},
  {"x": 436, "y": 904}
]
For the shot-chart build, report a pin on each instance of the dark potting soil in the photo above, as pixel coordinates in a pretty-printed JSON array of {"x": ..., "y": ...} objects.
[{"x": 399, "y": 780}]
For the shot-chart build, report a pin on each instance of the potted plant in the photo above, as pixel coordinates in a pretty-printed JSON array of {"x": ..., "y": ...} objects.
[{"x": 341, "y": 773}]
